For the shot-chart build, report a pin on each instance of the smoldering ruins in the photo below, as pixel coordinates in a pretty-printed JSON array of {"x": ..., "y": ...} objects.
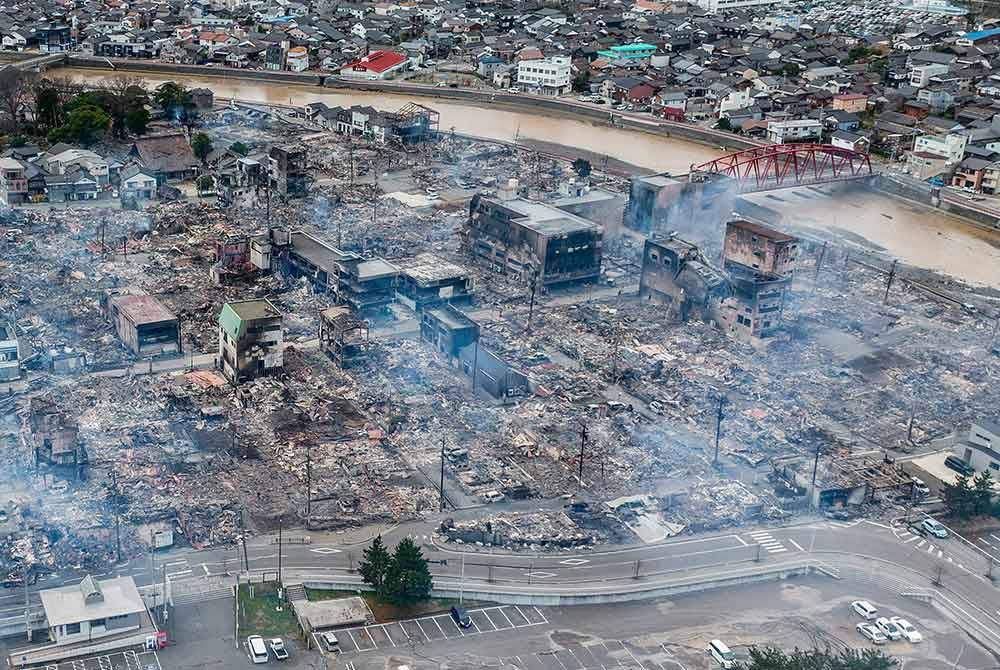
[{"x": 216, "y": 367}]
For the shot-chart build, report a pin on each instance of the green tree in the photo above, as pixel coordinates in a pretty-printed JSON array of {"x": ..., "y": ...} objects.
[
  {"x": 581, "y": 81},
  {"x": 791, "y": 69},
  {"x": 48, "y": 107},
  {"x": 84, "y": 125},
  {"x": 582, "y": 167},
  {"x": 982, "y": 492},
  {"x": 375, "y": 563},
  {"x": 170, "y": 95},
  {"x": 724, "y": 124},
  {"x": 408, "y": 579},
  {"x": 772, "y": 658},
  {"x": 959, "y": 498},
  {"x": 201, "y": 144},
  {"x": 857, "y": 53},
  {"x": 239, "y": 148},
  {"x": 137, "y": 121}
]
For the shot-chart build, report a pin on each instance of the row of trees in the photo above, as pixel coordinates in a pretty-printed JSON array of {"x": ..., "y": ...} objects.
[
  {"x": 969, "y": 497},
  {"x": 402, "y": 577},
  {"x": 772, "y": 658},
  {"x": 64, "y": 111}
]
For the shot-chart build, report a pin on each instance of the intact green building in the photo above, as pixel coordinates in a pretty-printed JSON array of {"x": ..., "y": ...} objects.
[{"x": 630, "y": 52}]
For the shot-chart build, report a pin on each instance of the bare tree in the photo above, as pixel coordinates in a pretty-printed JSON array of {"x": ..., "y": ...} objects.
[{"x": 16, "y": 91}]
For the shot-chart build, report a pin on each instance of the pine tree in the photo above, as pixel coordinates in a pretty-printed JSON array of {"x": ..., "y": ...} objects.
[
  {"x": 375, "y": 564},
  {"x": 982, "y": 492},
  {"x": 958, "y": 497},
  {"x": 408, "y": 579}
]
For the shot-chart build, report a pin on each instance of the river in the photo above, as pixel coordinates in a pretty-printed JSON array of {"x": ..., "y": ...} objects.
[{"x": 918, "y": 236}]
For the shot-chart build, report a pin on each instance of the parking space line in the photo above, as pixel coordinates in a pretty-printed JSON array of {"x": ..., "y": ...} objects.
[
  {"x": 473, "y": 621},
  {"x": 353, "y": 641},
  {"x": 384, "y": 630},
  {"x": 915, "y": 537},
  {"x": 629, "y": 652},
  {"x": 527, "y": 621},
  {"x": 555, "y": 655},
  {"x": 544, "y": 620},
  {"x": 434, "y": 619},
  {"x": 459, "y": 628},
  {"x": 576, "y": 658},
  {"x": 422, "y": 631},
  {"x": 490, "y": 619},
  {"x": 506, "y": 617}
]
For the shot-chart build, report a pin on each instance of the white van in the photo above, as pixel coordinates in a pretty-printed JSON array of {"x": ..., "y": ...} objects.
[
  {"x": 721, "y": 653},
  {"x": 865, "y": 609},
  {"x": 256, "y": 649}
]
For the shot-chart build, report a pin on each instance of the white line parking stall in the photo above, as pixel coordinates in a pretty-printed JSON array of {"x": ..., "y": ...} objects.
[{"x": 433, "y": 628}]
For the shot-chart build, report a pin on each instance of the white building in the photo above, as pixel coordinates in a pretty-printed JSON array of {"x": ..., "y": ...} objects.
[
  {"x": 920, "y": 75},
  {"x": 951, "y": 146},
  {"x": 297, "y": 59},
  {"x": 798, "y": 130},
  {"x": 714, "y": 6},
  {"x": 92, "y": 609},
  {"x": 548, "y": 76},
  {"x": 981, "y": 449}
]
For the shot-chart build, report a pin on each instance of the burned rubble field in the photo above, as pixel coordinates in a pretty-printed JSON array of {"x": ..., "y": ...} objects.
[{"x": 187, "y": 448}]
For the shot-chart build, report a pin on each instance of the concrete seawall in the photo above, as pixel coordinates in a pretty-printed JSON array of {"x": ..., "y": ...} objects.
[{"x": 925, "y": 194}]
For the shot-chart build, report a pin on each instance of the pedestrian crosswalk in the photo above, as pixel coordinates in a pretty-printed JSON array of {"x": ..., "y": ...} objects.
[{"x": 766, "y": 540}]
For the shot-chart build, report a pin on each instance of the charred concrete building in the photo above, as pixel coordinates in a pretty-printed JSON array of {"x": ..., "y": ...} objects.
[
  {"x": 760, "y": 262},
  {"x": 533, "y": 241},
  {"x": 448, "y": 330},
  {"x": 603, "y": 207},
  {"x": 342, "y": 337},
  {"x": 142, "y": 323},
  {"x": 250, "y": 340},
  {"x": 759, "y": 248},
  {"x": 661, "y": 203},
  {"x": 675, "y": 274},
  {"x": 365, "y": 285},
  {"x": 429, "y": 280},
  {"x": 55, "y": 436},
  {"x": 288, "y": 170}
]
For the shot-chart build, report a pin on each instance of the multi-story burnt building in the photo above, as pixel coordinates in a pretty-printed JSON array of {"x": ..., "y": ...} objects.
[
  {"x": 675, "y": 274},
  {"x": 427, "y": 279},
  {"x": 759, "y": 262},
  {"x": 533, "y": 241},
  {"x": 54, "y": 434},
  {"x": 10, "y": 353},
  {"x": 250, "y": 340},
  {"x": 342, "y": 336},
  {"x": 366, "y": 285},
  {"x": 660, "y": 203},
  {"x": 759, "y": 248},
  {"x": 288, "y": 170}
]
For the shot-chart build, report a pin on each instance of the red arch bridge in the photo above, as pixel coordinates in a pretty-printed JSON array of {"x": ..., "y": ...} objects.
[{"x": 777, "y": 166}]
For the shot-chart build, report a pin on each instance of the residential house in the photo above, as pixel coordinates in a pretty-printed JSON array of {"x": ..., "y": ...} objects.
[
  {"x": 950, "y": 145},
  {"x": 169, "y": 157},
  {"x": 970, "y": 173},
  {"x": 135, "y": 184},
  {"x": 13, "y": 182},
  {"x": 798, "y": 130}
]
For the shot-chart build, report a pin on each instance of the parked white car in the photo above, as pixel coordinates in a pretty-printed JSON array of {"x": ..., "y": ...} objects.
[
  {"x": 888, "y": 628},
  {"x": 910, "y": 634},
  {"x": 865, "y": 609},
  {"x": 872, "y": 633},
  {"x": 935, "y": 528}
]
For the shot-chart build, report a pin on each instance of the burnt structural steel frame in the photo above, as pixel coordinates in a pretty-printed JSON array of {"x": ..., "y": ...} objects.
[{"x": 788, "y": 165}]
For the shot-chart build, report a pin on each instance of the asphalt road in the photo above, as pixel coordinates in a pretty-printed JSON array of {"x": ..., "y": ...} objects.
[{"x": 959, "y": 566}]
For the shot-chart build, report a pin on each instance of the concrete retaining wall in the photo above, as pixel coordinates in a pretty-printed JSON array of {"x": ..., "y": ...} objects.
[
  {"x": 522, "y": 103},
  {"x": 925, "y": 194},
  {"x": 556, "y": 595}
]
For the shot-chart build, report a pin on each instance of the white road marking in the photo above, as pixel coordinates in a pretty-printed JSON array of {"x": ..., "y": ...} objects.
[
  {"x": 922, "y": 543},
  {"x": 490, "y": 619},
  {"x": 506, "y": 617},
  {"x": 434, "y": 619},
  {"x": 995, "y": 537},
  {"x": 985, "y": 542},
  {"x": 795, "y": 544},
  {"x": 355, "y": 642},
  {"x": 742, "y": 541},
  {"x": 422, "y": 631},
  {"x": 178, "y": 574},
  {"x": 915, "y": 537},
  {"x": 205, "y": 568},
  {"x": 777, "y": 551}
]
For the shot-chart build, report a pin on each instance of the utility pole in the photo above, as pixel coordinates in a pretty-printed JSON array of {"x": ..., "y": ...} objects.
[
  {"x": 718, "y": 429},
  {"x": 243, "y": 540},
  {"x": 531, "y": 304},
  {"x": 815, "y": 465},
  {"x": 279, "y": 549},
  {"x": 308, "y": 483},
  {"x": 888, "y": 283},
  {"x": 583, "y": 443},
  {"x": 118, "y": 539},
  {"x": 819, "y": 262},
  {"x": 441, "y": 487}
]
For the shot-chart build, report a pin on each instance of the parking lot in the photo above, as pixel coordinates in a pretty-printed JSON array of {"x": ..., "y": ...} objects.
[
  {"x": 124, "y": 660},
  {"x": 606, "y": 655},
  {"x": 433, "y": 629}
]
